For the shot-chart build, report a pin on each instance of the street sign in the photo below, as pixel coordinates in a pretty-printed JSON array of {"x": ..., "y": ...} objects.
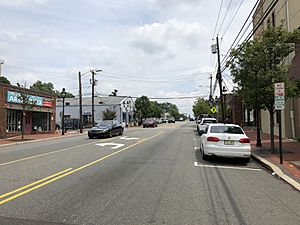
[
  {"x": 213, "y": 110},
  {"x": 279, "y": 92}
]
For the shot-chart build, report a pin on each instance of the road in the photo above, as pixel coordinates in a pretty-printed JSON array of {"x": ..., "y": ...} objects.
[{"x": 146, "y": 176}]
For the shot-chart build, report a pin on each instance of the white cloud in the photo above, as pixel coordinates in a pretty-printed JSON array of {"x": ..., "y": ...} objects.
[
  {"x": 18, "y": 3},
  {"x": 169, "y": 38}
]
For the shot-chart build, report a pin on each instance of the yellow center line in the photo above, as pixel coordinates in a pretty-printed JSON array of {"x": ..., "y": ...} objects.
[
  {"x": 34, "y": 183},
  {"x": 72, "y": 171},
  {"x": 50, "y": 153}
]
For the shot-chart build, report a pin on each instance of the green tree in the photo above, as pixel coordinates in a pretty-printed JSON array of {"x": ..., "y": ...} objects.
[
  {"x": 201, "y": 106},
  {"x": 48, "y": 88},
  {"x": 108, "y": 114},
  {"x": 4, "y": 80},
  {"x": 258, "y": 64},
  {"x": 142, "y": 106}
]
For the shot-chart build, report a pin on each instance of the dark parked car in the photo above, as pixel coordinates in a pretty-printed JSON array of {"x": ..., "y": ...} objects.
[
  {"x": 149, "y": 123},
  {"x": 171, "y": 120},
  {"x": 106, "y": 128},
  {"x": 71, "y": 123}
]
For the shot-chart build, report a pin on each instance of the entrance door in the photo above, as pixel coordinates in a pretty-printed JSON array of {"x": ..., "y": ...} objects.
[{"x": 28, "y": 123}]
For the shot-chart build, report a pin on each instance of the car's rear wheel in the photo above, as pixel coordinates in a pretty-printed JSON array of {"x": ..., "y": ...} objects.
[
  {"x": 246, "y": 160},
  {"x": 121, "y": 132},
  {"x": 204, "y": 156}
]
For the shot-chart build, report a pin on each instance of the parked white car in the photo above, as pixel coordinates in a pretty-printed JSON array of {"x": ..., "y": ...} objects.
[
  {"x": 203, "y": 123},
  {"x": 225, "y": 140}
]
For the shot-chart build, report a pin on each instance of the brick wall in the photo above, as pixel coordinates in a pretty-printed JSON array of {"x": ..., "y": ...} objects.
[{"x": 4, "y": 106}]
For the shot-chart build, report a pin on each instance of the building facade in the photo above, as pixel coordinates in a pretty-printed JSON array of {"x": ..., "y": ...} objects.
[
  {"x": 287, "y": 14},
  {"x": 122, "y": 105},
  {"x": 38, "y": 110}
]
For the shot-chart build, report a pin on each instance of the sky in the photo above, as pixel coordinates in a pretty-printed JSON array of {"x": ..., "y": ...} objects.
[{"x": 157, "y": 48}]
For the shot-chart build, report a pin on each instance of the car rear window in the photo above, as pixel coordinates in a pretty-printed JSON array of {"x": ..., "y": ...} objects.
[
  {"x": 226, "y": 129},
  {"x": 209, "y": 121}
]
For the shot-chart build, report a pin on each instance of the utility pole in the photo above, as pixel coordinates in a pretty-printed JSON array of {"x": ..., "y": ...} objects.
[
  {"x": 80, "y": 102},
  {"x": 219, "y": 78},
  {"x": 93, "y": 95},
  {"x": 210, "y": 87}
]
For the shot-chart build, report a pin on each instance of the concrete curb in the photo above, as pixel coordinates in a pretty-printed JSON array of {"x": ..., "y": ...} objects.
[
  {"x": 41, "y": 140},
  {"x": 276, "y": 170}
]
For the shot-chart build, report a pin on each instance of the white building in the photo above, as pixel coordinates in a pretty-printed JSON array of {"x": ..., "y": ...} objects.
[{"x": 122, "y": 105}]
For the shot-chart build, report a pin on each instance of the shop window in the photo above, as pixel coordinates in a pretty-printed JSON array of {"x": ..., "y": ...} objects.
[
  {"x": 40, "y": 121},
  {"x": 14, "y": 120},
  {"x": 67, "y": 103}
]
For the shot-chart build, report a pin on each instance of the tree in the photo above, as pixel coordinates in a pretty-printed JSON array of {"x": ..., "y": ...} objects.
[
  {"x": 48, "y": 88},
  {"x": 258, "y": 64},
  {"x": 109, "y": 115},
  {"x": 142, "y": 106},
  {"x": 114, "y": 93},
  {"x": 4, "y": 80},
  {"x": 201, "y": 106}
]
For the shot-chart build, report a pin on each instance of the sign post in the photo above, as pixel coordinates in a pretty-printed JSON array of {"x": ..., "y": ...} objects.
[{"x": 279, "y": 105}]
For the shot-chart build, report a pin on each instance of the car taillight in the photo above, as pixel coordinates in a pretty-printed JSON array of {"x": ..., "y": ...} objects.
[
  {"x": 213, "y": 139},
  {"x": 244, "y": 140}
]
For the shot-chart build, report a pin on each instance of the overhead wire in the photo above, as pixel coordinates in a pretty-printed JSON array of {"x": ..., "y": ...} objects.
[{"x": 224, "y": 18}]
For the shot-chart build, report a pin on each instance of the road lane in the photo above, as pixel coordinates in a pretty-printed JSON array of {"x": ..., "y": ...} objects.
[{"x": 156, "y": 182}]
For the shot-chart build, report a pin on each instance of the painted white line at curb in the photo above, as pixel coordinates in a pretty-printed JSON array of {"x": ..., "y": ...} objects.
[
  {"x": 277, "y": 171},
  {"x": 225, "y": 167}
]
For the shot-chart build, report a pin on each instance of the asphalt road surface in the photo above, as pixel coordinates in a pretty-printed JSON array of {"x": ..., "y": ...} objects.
[{"x": 146, "y": 176}]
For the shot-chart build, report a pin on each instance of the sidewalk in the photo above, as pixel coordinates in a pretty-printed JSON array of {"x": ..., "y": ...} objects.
[
  {"x": 37, "y": 137},
  {"x": 291, "y": 153}
]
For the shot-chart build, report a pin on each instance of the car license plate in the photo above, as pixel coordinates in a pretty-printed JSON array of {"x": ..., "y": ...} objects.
[{"x": 228, "y": 142}]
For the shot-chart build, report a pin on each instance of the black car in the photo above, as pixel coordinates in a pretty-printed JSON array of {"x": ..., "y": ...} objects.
[
  {"x": 106, "y": 128},
  {"x": 171, "y": 120},
  {"x": 71, "y": 123}
]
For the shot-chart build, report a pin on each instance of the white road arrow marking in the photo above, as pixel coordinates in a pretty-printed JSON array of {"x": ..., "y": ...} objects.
[
  {"x": 117, "y": 145},
  {"x": 128, "y": 138}
]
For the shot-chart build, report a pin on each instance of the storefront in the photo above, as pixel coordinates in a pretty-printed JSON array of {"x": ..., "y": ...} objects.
[{"x": 22, "y": 107}]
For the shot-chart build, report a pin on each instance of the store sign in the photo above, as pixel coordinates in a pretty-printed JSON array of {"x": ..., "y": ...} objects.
[{"x": 15, "y": 97}]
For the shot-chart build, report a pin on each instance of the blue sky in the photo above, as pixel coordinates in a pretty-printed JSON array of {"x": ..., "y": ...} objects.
[{"x": 157, "y": 48}]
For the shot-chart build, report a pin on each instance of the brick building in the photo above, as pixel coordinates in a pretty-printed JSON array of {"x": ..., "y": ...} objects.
[{"x": 39, "y": 111}]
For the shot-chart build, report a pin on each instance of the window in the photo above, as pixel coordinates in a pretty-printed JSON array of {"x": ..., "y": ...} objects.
[
  {"x": 14, "y": 120},
  {"x": 67, "y": 103},
  {"x": 226, "y": 129},
  {"x": 273, "y": 19}
]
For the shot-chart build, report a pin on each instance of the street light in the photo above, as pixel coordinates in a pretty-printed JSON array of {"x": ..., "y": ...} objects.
[{"x": 63, "y": 95}]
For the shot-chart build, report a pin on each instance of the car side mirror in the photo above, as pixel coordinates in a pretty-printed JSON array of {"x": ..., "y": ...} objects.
[{"x": 201, "y": 132}]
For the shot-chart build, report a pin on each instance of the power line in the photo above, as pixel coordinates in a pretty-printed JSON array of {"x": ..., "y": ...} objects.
[
  {"x": 217, "y": 19},
  {"x": 224, "y": 18},
  {"x": 232, "y": 18}
]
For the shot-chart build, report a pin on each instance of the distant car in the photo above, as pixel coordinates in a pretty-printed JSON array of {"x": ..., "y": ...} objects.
[
  {"x": 106, "y": 128},
  {"x": 149, "y": 122},
  {"x": 71, "y": 123},
  {"x": 225, "y": 140},
  {"x": 203, "y": 123},
  {"x": 171, "y": 120}
]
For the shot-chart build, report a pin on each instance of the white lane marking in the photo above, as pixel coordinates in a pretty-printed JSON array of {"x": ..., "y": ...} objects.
[
  {"x": 129, "y": 138},
  {"x": 226, "y": 167},
  {"x": 117, "y": 145}
]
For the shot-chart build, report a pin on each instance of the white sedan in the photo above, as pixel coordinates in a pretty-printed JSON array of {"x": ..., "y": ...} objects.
[{"x": 225, "y": 140}]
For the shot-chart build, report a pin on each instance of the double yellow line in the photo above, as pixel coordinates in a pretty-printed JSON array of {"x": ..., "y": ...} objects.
[{"x": 47, "y": 180}]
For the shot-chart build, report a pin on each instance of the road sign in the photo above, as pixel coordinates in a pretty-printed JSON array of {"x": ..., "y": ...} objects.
[
  {"x": 279, "y": 92},
  {"x": 213, "y": 110}
]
